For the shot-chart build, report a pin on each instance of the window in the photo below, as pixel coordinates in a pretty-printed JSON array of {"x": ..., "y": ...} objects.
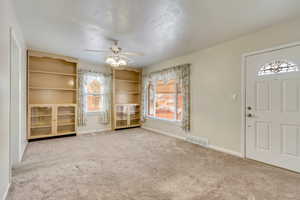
[
  {"x": 277, "y": 67},
  {"x": 93, "y": 95},
  {"x": 166, "y": 95},
  {"x": 166, "y": 101}
]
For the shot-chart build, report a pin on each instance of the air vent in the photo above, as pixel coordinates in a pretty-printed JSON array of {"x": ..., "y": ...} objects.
[{"x": 197, "y": 140}]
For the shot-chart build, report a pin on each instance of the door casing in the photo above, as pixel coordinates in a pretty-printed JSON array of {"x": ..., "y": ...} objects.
[{"x": 15, "y": 138}]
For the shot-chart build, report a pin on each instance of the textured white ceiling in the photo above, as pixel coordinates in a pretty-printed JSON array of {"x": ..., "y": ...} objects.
[{"x": 160, "y": 29}]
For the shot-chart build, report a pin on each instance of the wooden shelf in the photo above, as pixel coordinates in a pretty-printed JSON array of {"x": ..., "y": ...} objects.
[
  {"x": 129, "y": 81},
  {"x": 66, "y": 124},
  {"x": 119, "y": 127},
  {"x": 67, "y": 114},
  {"x": 126, "y": 92},
  {"x": 135, "y": 125},
  {"x": 40, "y": 136},
  {"x": 41, "y": 126},
  {"x": 66, "y": 132},
  {"x": 41, "y": 116},
  {"x": 53, "y": 73},
  {"x": 49, "y": 135},
  {"x": 41, "y": 88}
]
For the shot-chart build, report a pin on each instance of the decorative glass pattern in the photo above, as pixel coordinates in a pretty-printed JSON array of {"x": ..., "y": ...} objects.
[{"x": 278, "y": 67}]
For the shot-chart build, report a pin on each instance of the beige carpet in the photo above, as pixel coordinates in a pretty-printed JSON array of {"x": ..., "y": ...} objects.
[{"x": 137, "y": 164}]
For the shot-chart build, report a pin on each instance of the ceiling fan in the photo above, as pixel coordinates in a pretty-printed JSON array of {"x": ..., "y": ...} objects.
[{"x": 116, "y": 56}]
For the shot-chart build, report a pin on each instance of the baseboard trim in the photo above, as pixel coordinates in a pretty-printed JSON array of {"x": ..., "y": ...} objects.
[
  {"x": 6, "y": 192},
  {"x": 213, "y": 147},
  {"x": 163, "y": 133},
  {"x": 227, "y": 151},
  {"x": 93, "y": 131}
]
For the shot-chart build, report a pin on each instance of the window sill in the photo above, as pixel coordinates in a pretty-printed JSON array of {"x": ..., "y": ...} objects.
[{"x": 173, "y": 122}]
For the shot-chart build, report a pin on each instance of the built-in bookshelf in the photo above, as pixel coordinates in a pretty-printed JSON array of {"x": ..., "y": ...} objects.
[
  {"x": 126, "y": 96},
  {"x": 52, "y": 91}
]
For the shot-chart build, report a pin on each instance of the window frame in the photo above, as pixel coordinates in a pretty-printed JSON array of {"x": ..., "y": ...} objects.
[
  {"x": 86, "y": 94},
  {"x": 154, "y": 104}
]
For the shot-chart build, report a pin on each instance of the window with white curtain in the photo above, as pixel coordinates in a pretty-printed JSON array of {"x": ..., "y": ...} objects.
[
  {"x": 166, "y": 95},
  {"x": 94, "y": 96}
]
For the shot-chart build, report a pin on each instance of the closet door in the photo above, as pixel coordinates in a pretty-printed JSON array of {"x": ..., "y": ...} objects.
[
  {"x": 41, "y": 121},
  {"x": 65, "y": 121},
  {"x": 121, "y": 116},
  {"x": 134, "y": 115}
]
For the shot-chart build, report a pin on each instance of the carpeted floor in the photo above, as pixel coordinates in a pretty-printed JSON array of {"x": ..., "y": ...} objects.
[{"x": 137, "y": 164}]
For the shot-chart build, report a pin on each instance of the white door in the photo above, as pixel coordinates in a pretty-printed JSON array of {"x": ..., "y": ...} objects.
[{"x": 273, "y": 107}]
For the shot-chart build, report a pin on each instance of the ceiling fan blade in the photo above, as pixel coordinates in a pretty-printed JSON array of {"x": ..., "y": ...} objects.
[
  {"x": 97, "y": 51},
  {"x": 126, "y": 58},
  {"x": 132, "y": 53},
  {"x": 123, "y": 56}
]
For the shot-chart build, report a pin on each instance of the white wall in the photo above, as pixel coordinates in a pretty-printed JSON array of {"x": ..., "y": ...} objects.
[
  {"x": 93, "y": 124},
  {"x": 7, "y": 21},
  {"x": 215, "y": 78}
]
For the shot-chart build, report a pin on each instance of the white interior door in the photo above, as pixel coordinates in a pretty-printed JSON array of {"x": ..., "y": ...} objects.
[{"x": 273, "y": 107}]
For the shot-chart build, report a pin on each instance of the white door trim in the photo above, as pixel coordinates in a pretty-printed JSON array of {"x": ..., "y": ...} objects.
[
  {"x": 243, "y": 88},
  {"x": 13, "y": 37}
]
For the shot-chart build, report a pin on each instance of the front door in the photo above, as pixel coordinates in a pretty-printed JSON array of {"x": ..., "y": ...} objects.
[{"x": 273, "y": 107}]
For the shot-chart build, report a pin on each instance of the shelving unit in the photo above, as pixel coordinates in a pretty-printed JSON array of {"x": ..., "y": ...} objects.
[
  {"x": 126, "y": 97},
  {"x": 52, "y": 91}
]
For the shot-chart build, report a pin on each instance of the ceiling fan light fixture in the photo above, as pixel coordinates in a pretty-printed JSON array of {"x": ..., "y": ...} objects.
[
  {"x": 122, "y": 62},
  {"x": 116, "y": 61},
  {"x": 110, "y": 60},
  {"x": 116, "y": 56}
]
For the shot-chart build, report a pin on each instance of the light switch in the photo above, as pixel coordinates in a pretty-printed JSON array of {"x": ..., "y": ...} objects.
[{"x": 234, "y": 97}]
